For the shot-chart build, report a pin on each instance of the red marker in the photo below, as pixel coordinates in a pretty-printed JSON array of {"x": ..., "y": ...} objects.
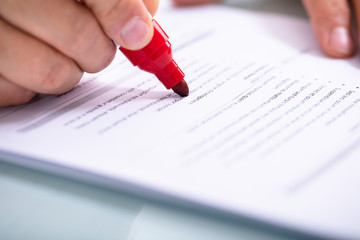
[{"x": 156, "y": 58}]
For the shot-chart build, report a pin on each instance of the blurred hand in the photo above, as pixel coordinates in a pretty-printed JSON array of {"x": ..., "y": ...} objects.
[
  {"x": 331, "y": 21},
  {"x": 45, "y": 46}
]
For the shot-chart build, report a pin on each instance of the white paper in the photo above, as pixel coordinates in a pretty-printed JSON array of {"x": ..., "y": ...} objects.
[{"x": 270, "y": 130}]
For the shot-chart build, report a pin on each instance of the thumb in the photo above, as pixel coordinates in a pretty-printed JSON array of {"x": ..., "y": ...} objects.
[
  {"x": 331, "y": 21},
  {"x": 126, "y": 22}
]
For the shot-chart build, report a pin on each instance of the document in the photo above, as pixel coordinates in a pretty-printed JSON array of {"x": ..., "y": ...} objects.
[{"x": 269, "y": 131}]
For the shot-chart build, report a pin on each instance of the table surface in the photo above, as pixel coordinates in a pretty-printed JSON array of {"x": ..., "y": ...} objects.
[{"x": 36, "y": 205}]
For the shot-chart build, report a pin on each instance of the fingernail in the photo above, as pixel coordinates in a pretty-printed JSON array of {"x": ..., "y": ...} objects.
[
  {"x": 136, "y": 33},
  {"x": 340, "y": 40}
]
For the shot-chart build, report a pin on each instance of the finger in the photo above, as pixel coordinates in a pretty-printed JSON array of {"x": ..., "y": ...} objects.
[
  {"x": 66, "y": 25},
  {"x": 11, "y": 94},
  {"x": 127, "y": 22},
  {"x": 152, "y": 6},
  {"x": 31, "y": 64},
  {"x": 331, "y": 21},
  {"x": 356, "y": 7}
]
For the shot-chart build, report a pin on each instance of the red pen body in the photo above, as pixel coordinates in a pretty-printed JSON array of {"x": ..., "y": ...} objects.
[{"x": 156, "y": 58}]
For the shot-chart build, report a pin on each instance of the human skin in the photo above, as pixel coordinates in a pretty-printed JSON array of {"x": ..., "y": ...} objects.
[
  {"x": 331, "y": 22},
  {"x": 46, "y": 46}
]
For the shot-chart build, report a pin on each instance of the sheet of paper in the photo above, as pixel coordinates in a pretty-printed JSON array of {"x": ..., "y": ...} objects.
[{"x": 270, "y": 130}]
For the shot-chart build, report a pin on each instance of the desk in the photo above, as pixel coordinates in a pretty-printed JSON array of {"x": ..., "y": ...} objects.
[{"x": 35, "y": 205}]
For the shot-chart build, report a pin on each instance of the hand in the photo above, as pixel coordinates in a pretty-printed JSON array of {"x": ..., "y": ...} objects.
[
  {"x": 331, "y": 21},
  {"x": 45, "y": 46}
]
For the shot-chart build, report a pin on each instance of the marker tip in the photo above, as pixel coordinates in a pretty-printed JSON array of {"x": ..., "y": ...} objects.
[{"x": 181, "y": 88}]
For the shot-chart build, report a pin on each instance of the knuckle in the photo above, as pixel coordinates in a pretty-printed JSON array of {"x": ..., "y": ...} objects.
[
  {"x": 57, "y": 78},
  {"x": 51, "y": 81},
  {"x": 102, "y": 61},
  {"x": 332, "y": 18},
  {"x": 91, "y": 49},
  {"x": 23, "y": 98},
  {"x": 80, "y": 42},
  {"x": 330, "y": 12}
]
